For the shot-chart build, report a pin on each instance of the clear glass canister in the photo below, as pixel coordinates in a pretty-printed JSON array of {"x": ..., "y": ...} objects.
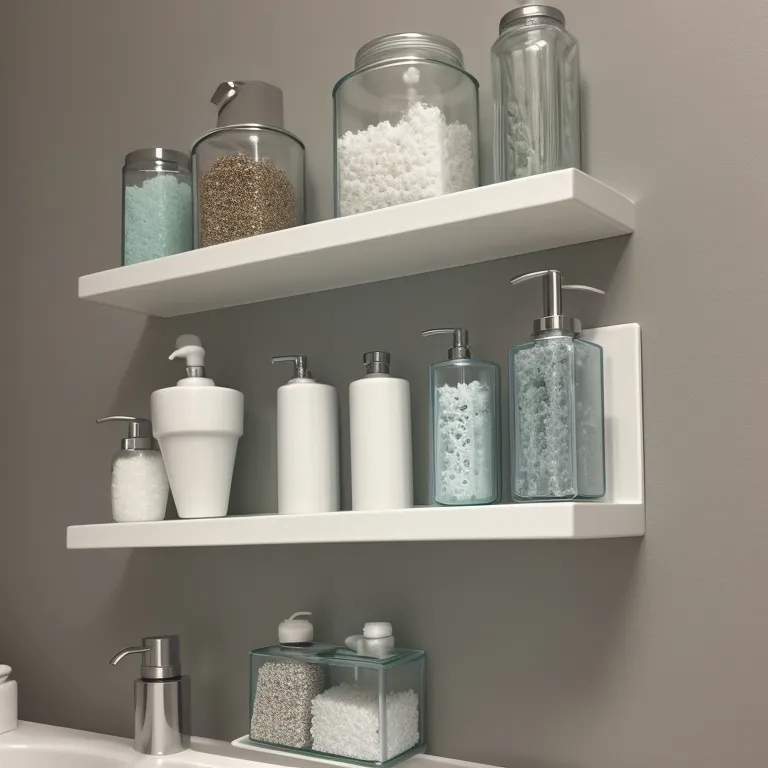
[
  {"x": 157, "y": 204},
  {"x": 249, "y": 179},
  {"x": 405, "y": 124},
  {"x": 535, "y": 65},
  {"x": 327, "y": 701}
]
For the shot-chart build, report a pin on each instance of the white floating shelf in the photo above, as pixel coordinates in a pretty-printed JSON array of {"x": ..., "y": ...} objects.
[
  {"x": 620, "y": 514},
  {"x": 492, "y": 222},
  {"x": 562, "y": 520}
]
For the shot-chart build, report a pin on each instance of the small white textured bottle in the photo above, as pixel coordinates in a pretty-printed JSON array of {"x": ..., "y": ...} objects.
[
  {"x": 380, "y": 438},
  {"x": 307, "y": 443}
]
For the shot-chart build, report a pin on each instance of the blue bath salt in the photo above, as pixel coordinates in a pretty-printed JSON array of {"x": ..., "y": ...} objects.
[{"x": 158, "y": 219}]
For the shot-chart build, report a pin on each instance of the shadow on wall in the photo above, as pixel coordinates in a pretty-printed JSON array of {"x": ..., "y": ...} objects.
[{"x": 523, "y": 623}]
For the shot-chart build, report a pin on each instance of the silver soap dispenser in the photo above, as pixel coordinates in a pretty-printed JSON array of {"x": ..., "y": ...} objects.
[
  {"x": 139, "y": 479},
  {"x": 161, "y": 697},
  {"x": 464, "y": 426},
  {"x": 556, "y": 404}
]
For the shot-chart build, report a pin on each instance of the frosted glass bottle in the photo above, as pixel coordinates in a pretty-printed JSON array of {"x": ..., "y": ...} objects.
[
  {"x": 464, "y": 426},
  {"x": 556, "y": 406}
]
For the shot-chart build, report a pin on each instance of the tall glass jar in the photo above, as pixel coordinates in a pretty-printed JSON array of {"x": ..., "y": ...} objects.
[
  {"x": 157, "y": 204},
  {"x": 249, "y": 179},
  {"x": 535, "y": 65},
  {"x": 405, "y": 124}
]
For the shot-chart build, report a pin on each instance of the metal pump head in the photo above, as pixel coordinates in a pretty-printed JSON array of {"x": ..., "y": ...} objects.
[
  {"x": 460, "y": 349},
  {"x": 554, "y": 319},
  {"x": 376, "y": 362},
  {"x": 139, "y": 433},
  {"x": 300, "y": 369}
]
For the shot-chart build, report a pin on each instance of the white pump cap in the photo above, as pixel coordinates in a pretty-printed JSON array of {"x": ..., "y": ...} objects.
[
  {"x": 190, "y": 347},
  {"x": 294, "y": 630},
  {"x": 5, "y": 671},
  {"x": 375, "y": 629}
]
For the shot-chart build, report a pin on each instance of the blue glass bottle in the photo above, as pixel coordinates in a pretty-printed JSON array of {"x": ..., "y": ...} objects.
[
  {"x": 556, "y": 405},
  {"x": 464, "y": 426}
]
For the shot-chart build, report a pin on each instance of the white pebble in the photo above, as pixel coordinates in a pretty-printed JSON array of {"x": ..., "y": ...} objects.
[
  {"x": 139, "y": 487},
  {"x": 465, "y": 450},
  {"x": 421, "y": 156},
  {"x": 345, "y": 722}
]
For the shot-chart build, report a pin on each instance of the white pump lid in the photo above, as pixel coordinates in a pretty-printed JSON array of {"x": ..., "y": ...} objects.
[
  {"x": 190, "y": 347},
  {"x": 294, "y": 630},
  {"x": 377, "y": 629}
]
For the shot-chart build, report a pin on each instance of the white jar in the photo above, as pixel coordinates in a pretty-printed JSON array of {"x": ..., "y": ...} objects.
[
  {"x": 139, "y": 479},
  {"x": 380, "y": 438}
]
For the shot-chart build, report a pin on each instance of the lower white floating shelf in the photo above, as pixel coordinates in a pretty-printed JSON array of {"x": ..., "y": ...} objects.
[
  {"x": 620, "y": 514},
  {"x": 561, "y": 520},
  {"x": 271, "y": 757}
]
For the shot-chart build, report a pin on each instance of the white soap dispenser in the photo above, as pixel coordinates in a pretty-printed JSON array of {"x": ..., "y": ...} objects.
[
  {"x": 9, "y": 701},
  {"x": 198, "y": 425},
  {"x": 307, "y": 443},
  {"x": 381, "y": 448}
]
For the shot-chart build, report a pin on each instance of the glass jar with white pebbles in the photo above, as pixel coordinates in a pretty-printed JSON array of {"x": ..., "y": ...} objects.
[{"x": 405, "y": 124}]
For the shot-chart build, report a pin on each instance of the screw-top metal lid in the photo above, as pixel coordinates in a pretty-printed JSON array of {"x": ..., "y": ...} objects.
[
  {"x": 139, "y": 433},
  {"x": 460, "y": 349},
  {"x": 300, "y": 369},
  {"x": 553, "y": 287},
  {"x": 248, "y": 101},
  {"x": 376, "y": 362},
  {"x": 525, "y": 12},
  {"x": 159, "y": 155},
  {"x": 405, "y": 45}
]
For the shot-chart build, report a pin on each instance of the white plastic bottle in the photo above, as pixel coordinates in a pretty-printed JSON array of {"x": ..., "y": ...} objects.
[
  {"x": 307, "y": 443},
  {"x": 198, "y": 425},
  {"x": 380, "y": 438}
]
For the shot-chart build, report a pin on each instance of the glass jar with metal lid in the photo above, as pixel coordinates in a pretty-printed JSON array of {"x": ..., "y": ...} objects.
[
  {"x": 405, "y": 124},
  {"x": 157, "y": 204},
  {"x": 535, "y": 65},
  {"x": 249, "y": 171}
]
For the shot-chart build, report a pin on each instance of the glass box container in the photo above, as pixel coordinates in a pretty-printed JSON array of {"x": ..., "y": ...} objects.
[
  {"x": 157, "y": 204},
  {"x": 535, "y": 63},
  {"x": 327, "y": 701},
  {"x": 248, "y": 180},
  {"x": 405, "y": 124}
]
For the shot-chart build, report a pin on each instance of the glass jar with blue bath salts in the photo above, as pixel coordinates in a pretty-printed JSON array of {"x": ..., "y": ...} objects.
[{"x": 157, "y": 204}]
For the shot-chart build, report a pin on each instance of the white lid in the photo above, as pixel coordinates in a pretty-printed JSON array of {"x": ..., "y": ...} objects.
[
  {"x": 294, "y": 630},
  {"x": 375, "y": 629},
  {"x": 5, "y": 671}
]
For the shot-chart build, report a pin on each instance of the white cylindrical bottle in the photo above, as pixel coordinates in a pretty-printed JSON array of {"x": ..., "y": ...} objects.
[
  {"x": 307, "y": 443},
  {"x": 380, "y": 438}
]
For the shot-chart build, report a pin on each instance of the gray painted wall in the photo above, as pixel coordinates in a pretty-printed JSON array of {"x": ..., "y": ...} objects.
[{"x": 553, "y": 655}]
